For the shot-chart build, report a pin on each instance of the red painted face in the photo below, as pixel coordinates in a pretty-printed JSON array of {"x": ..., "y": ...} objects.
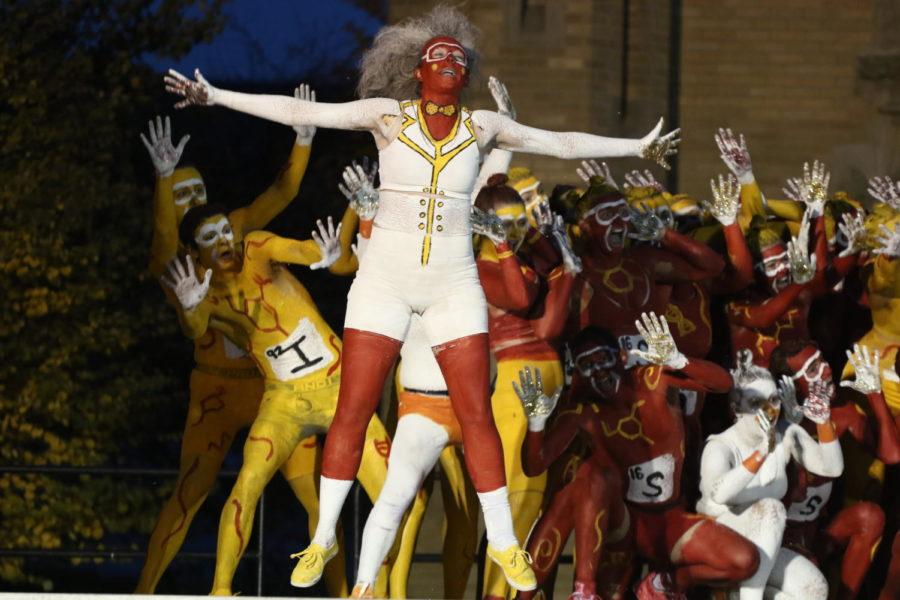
[
  {"x": 598, "y": 367},
  {"x": 606, "y": 226},
  {"x": 774, "y": 270},
  {"x": 811, "y": 369},
  {"x": 443, "y": 68}
]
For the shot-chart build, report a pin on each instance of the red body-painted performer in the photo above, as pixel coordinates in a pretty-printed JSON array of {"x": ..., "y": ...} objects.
[
  {"x": 643, "y": 433},
  {"x": 526, "y": 313},
  {"x": 788, "y": 278},
  {"x": 856, "y": 530},
  {"x": 419, "y": 257}
]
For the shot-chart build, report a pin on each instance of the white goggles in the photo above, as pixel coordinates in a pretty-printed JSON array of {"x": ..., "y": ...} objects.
[
  {"x": 209, "y": 234},
  {"x": 454, "y": 51}
]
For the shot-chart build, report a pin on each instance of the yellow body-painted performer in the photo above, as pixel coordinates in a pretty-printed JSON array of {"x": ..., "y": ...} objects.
[
  {"x": 248, "y": 293},
  {"x": 225, "y": 385}
]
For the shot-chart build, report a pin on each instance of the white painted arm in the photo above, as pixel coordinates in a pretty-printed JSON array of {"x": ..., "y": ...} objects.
[
  {"x": 493, "y": 128},
  {"x": 497, "y": 161},
  {"x": 824, "y": 459},
  {"x": 357, "y": 115},
  {"x": 720, "y": 479}
]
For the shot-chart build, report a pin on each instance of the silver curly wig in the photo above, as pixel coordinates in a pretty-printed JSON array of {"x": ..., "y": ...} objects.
[
  {"x": 386, "y": 69},
  {"x": 746, "y": 377}
]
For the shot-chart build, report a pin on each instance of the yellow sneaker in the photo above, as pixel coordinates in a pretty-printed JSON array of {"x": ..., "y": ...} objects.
[
  {"x": 516, "y": 565},
  {"x": 362, "y": 590},
  {"x": 308, "y": 570}
]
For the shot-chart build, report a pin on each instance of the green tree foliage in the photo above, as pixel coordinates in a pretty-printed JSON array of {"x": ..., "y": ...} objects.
[{"x": 81, "y": 322}]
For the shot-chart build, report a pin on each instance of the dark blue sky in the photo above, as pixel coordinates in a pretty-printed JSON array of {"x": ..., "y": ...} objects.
[{"x": 278, "y": 40}]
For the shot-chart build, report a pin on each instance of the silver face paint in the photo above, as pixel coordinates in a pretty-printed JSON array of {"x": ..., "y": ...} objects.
[{"x": 754, "y": 395}]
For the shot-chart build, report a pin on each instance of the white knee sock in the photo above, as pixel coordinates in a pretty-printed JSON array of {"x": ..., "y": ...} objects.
[
  {"x": 332, "y": 493},
  {"x": 378, "y": 536},
  {"x": 498, "y": 518}
]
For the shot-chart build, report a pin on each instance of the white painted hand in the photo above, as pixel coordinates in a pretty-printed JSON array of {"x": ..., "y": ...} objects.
[
  {"x": 636, "y": 179},
  {"x": 183, "y": 281},
  {"x": 359, "y": 188},
  {"x": 853, "y": 230},
  {"x": 790, "y": 408},
  {"x": 590, "y": 168},
  {"x": 164, "y": 155},
  {"x": 329, "y": 243},
  {"x": 488, "y": 225},
  {"x": 198, "y": 92},
  {"x": 501, "y": 98},
  {"x": 812, "y": 189},
  {"x": 657, "y": 148},
  {"x": 888, "y": 241},
  {"x": 661, "y": 348},
  {"x": 726, "y": 200},
  {"x": 537, "y": 405},
  {"x": 305, "y": 133},
  {"x": 868, "y": 373},
  {"x": 733, "y": 152},
  {"x": 803, "y": 265},
  {"x": 885, "y": 190}
]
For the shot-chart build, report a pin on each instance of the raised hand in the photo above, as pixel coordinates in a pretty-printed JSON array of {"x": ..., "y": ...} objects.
[
  {"x": 198, "y": 92},
  {"x": 726, "y": 200},
  {"x": 648, "y": 226},
  {"x": 329, "y": 243},
  {"x": 305, "y": 133},
  {"x": 571, "y": 261},
  {"x": 790, "y": 408},
  {"x": 803, "y": 265},
  {"x": 884, "y": 189},
  {"x": 767, "y": 444},
  {"x": 888, "y": 241},
  {"x": 852, "y": 228},
  {"x": 544, "y": 217},
  {"x": 661, "y": 348},
  {"x": 590, "y": 168},
  {"x": 868, "y": 373},
  {"x": 501, "y": 98},
  {"x": 657, "y": 148},
  {"x": 164, "y": 155},
  {"x": 488, "y": 225},
  {"x": 182, "y": 280},
  {"x": 537, "y": 405},
  {"x": 817, "y": 407},
  {"x": 636, "y": 179},
  {"x": 359, "y": 188},
  {"x": 812, "y": 189},
  {"x": 733, "y": 152}
]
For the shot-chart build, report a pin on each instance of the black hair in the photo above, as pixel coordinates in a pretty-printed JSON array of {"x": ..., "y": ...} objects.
[
  {"x": 593, "y": 335},
  {"x": 192, "y": 219},
  {"x": 778, "y": 360}
]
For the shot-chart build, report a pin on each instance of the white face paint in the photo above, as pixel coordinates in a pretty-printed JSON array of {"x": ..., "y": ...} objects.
[
  {"x": 440, "y": 50},
  {"x": 190, "y": 191},
  {"x": 754, "y": 395},
  {"x": 613, "y": 219},
  {"x": 209, "y": 234}
]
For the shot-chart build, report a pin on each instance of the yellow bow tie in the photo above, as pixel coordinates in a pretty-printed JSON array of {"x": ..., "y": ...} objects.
[{"x": 432, "y": 109}]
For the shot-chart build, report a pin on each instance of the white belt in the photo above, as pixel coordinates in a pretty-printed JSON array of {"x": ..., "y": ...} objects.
[{"x": 436, "y": 214}]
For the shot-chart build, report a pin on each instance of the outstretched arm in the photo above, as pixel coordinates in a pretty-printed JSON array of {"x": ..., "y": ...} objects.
[
  {"x": 360, "y": 115},
  {"x": 319, "y": 252},
  {"x": 493, "y": 128},
  {"x": 764, "y": 314}
]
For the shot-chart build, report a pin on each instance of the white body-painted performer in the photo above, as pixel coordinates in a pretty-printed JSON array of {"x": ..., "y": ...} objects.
[
  {"x": 420, "y": 258},
  {"x": 743, "y": 476}
]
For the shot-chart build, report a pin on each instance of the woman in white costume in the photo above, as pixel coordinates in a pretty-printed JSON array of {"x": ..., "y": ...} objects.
[
  {"x": 419, "y": 258},
  {"x": 743, "y": 476}
]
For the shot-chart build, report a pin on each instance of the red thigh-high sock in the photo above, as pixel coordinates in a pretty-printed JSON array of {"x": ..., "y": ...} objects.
[
  {"x": 859, "y": 526},
  {"x": 891, "y": 589},
  {"x": 465, "y": 364},
  {"x": 367, "y": 358}
]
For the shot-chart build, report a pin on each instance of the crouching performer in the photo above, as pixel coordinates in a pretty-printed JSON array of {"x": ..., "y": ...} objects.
[
  {"x": 743, "y": 476},
  {"x": 249, "y": 295},
  {"x": 419, "y": 258}
]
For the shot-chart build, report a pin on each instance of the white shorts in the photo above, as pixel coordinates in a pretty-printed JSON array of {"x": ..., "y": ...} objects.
[{"x": 392, "y": 283}]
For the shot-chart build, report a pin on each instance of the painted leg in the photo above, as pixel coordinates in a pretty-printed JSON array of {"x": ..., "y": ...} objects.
[
  {"x": 409, "y": 536},
  {"x": 218, "y": 409},
  {"x": 859, "y": 527},
  {"x": 300, "y": 471},
  {"x": 711, "y": 553},
  {"x": 417, "y": 445},
  {"x": 550, "y": 534},
  {"x": 795, "y": 577},
  {"x": 461, "y": 526},
  {"x": 272, "y": 438}
]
